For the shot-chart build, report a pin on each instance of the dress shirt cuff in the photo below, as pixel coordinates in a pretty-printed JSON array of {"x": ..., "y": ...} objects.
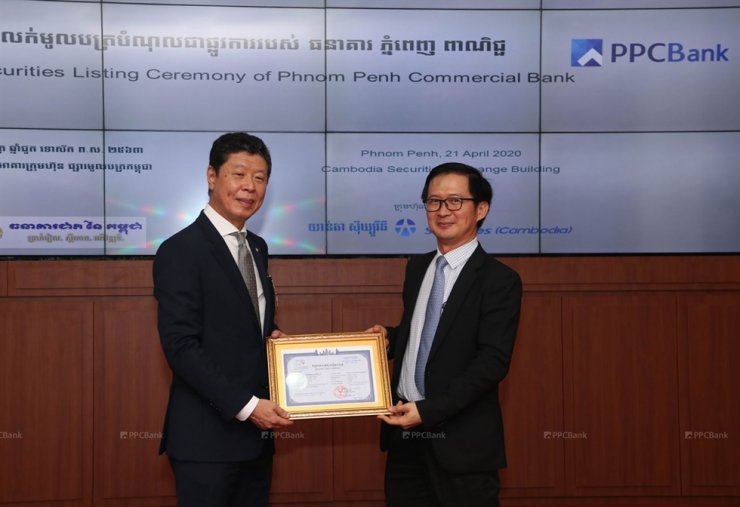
[{"x": 244, "y": 413}]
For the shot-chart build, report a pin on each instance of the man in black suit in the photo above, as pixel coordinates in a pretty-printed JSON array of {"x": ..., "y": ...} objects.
[
  {"x": 444, "y": 435},
  {"x": 214, "y": 315}
]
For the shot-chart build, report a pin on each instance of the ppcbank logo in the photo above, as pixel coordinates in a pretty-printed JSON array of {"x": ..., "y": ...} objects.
[
  {"x": 591, "y": 52},
  {"x": 586, "y": 52}
]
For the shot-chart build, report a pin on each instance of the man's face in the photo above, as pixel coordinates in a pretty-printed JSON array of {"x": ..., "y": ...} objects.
[
  {"x": 239, "y": 187},
  {"x": 453, "y": 228}
]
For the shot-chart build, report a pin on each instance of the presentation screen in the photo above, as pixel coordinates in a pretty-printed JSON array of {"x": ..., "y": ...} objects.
[{"x": 604, "y": 127}]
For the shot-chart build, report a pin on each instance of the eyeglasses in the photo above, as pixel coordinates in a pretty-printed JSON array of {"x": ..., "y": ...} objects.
[{"x": 452, "y": 203}]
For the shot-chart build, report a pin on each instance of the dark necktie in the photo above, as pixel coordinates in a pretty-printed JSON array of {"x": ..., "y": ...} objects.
[
  {"x": 244, "y": 261},
  {"x": 434, "y": 310}
]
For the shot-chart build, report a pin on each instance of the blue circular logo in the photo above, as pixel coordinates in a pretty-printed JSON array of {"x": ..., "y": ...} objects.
[{"x": 405, "y": 227}]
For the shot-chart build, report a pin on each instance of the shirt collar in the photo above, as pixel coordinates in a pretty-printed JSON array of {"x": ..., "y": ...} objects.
[
  {"x": 460, "y": 255},
  {"x": 223, "y": 226}
]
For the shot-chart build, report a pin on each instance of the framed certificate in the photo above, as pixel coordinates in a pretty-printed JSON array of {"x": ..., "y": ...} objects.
[{"x": 329, "y": 375}]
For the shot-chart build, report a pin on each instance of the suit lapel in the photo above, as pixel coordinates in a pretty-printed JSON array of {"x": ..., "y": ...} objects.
[
  {"x": 462, "y": 287},
  {"x": 416, "y": 274}
]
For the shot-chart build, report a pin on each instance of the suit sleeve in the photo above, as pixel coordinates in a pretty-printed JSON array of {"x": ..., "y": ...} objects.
[
  {"x": 496, "y": 331},
  {"x": 178, "y": 290}
]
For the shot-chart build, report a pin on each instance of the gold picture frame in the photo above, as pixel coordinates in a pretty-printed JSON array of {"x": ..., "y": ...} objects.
[{"x": 329, "y": 375}]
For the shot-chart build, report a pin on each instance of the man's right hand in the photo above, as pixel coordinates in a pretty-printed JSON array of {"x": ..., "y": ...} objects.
[{"x": 269, "y": 416}]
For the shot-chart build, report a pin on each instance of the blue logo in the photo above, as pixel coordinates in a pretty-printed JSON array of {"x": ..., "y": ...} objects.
[
  {"x": 586, "y": 52},
  {"x": 405, "y": 227}
]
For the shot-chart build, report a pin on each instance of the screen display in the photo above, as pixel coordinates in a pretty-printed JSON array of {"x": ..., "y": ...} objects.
[{"x": 603, "y": 126}]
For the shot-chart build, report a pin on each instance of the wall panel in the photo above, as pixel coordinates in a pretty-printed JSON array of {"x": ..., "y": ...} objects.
[
  {"x": 131, "y": 388},
  {"x": 302, "y": 467},
  {"x": 80, "y": 278},
  {"x": 337, "y": 276},
  {"x": 532, "y": 403},
  {"x": 303, "y": 314},
  {"x": 3, "y": 278},
  {"x": 709, "y": 341},
  {"x": 359, "y": 463},
  {"x": 621, "y": 396},
  {"x": 632, "y": 351},
  {"x": 46, "y": 401}
]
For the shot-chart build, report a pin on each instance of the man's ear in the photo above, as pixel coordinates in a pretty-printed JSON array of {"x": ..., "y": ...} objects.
[
  {"x": 211, "y": 177},
  {"x": 482, "y": 210}
]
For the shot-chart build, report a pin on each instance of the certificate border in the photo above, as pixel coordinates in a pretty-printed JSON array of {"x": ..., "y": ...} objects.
[{"x": 381, "y": 378}]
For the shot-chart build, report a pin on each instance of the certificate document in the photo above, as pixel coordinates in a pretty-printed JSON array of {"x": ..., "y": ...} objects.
[
  {"x": 329, "y": 375},
  {"x": 316, "y": 376}
]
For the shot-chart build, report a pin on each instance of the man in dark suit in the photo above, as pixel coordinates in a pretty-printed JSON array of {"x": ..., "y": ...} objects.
[
  {"x": 444, "y": 435},
  {"x": 214, "y": 315}
]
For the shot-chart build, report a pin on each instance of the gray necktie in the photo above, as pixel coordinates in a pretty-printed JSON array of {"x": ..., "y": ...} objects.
[
  {"x": 431, "y": 319},
  {"x": 244, "y": 261}
]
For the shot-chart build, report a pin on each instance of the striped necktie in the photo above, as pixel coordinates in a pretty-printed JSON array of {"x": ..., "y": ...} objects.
[{"x": 244, "y": 261}]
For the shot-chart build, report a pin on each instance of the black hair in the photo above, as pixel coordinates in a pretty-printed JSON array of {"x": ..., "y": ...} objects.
[{"x": 237, "y": 142}]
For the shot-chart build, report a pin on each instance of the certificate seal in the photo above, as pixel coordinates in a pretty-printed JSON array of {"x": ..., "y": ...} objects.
[{"x": 341, "y": 391}]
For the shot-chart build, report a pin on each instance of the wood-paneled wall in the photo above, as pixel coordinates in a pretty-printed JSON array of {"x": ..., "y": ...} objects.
[{"x": 623, "y": 390}]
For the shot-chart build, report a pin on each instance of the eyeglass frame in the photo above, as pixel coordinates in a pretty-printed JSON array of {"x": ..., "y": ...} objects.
[{"x": 446, "y": 203}]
